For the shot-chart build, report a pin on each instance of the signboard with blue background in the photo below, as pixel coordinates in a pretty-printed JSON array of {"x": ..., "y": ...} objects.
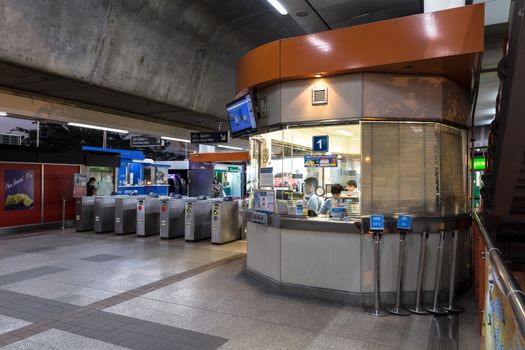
[
  {"x": 404, "y": 222},
  {"x": 320, "y": 143},
  {"x": 376, "y": 223}
]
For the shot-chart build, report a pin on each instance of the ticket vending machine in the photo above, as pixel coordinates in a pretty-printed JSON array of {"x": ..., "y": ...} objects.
[
  {"x": 126, "y": 214},
  {"x": 84, "y": 213},
  {"x": 104, "y": 214},
  {"x": 225, "y": 223},
  {"x": 172, "y": 218},
  {"x": 198, "y": 220},
  {"x": 148, "y": 217}
]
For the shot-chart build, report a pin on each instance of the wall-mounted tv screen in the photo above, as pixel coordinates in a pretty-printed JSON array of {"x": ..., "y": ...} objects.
[{"x": 241, "y": 116}]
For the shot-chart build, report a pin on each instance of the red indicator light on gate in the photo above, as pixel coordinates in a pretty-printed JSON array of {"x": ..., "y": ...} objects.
[
  {"x": 140, "y": 207},
  {"x": 163, "y": 209}
]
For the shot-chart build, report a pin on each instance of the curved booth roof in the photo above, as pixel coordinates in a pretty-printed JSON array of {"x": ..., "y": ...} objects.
[{"x": 448, "y": 43}]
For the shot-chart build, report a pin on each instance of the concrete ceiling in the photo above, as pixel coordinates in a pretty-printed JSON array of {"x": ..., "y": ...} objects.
[{"x": 170, "y": 60}]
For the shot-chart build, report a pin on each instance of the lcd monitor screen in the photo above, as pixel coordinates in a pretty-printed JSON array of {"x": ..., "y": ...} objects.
[{"x": 241, "y": 116}]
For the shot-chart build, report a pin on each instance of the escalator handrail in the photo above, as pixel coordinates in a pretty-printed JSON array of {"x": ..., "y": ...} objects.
[{"x": 504, "y": 277}]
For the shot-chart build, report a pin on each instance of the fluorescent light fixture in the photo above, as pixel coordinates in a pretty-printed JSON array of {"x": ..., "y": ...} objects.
[
  {"x": 175, "y": 139},
  {"x": 80, "y": 125},
  {"x": 3, "y": 114},
  {"x": 278, "y": 6},
  {"x": 318, "y": 75},
  {"x": 345, "y": 132},
  {"x": 230, "y": 147}
]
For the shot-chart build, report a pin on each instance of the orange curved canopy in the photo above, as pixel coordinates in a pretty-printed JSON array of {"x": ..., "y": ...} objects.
[{"x": 447, "y": 43}]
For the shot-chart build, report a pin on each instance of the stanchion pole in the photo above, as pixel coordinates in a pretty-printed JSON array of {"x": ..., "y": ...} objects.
[
  {"x": 376, "y": 311},
  {"x": 435, "y": 308},
  {"x": 451, "y": 306},
  {"x": 63, "y": 213},
  {"x": 399, "y": 309},
  {"x": 418, "y": 308}
]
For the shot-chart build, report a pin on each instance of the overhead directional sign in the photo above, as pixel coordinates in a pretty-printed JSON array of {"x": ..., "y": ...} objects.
[
  {"x": 376, "y": 223},
  {"x": 143, "y": 141},
  {"x": 404, "y": 222},
  {"x": 320, "y": 143},
  {"x": 210, "y": 137}
]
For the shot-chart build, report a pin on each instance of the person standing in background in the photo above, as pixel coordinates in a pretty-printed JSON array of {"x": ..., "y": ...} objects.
[
  {"x": 314, "y": 202},
  {"x": 92, "y": 187}
]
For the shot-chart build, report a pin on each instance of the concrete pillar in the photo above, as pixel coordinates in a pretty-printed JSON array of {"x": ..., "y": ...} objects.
[{"x": 438, "y": 5}]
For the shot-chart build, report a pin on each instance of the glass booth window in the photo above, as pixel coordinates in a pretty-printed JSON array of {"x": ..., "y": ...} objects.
[{"x": 285, "y": 159}]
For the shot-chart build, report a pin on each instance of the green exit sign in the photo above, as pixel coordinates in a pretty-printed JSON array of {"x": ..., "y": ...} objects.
[
  {"x": 478, "y": 163},
  {"x": 233, "y": 169}
]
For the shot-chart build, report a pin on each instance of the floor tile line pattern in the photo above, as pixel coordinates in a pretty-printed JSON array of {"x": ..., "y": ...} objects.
[
  {"x": 111, "y": 328},
  {"x": 47, "y": 314},
  {"x": 29, "y": 274},
  {"x": 153, "y": 286}
]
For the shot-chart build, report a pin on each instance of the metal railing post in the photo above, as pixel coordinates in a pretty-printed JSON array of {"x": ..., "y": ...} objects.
[
  {"x": 376, "y": 310},
  {"x": 63, "y": 213},
  {"x": 435, "y": 308},
  {"x": 451, "y": 306},
  {"x": 418, "y": 308},
  {"x": 398, "y": 308}
]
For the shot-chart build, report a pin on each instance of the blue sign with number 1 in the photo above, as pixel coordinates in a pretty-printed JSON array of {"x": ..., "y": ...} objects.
[
  {"x": 404, "y": 222},
  {"x": 320, "y": 143},
  {"x": 376, "y": 223}
]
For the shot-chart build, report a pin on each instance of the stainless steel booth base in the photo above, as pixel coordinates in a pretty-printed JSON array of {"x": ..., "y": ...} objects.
[
  {"x": 399, "y": 311},
  {"x": 377, "y": 312}
]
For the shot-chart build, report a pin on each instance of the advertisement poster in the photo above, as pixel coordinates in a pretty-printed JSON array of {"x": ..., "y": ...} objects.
[
  {"x": 266, "y": 177},
  {"x": 329, "y": 161},
  {"x": 79, "y": 185},
  {"x": 19, "y": 186}
]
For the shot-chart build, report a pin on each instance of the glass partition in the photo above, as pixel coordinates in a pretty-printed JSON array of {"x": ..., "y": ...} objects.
[{"x": 286, "y": 160}]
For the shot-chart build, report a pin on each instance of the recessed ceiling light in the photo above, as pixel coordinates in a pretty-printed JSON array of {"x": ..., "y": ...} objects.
[
  {"x": 230, "y": 147},
  {"x": 3, "y": 114},
  {"x": 88, "y": 126},
  {"x": 278, "y": 6},
  {"x": 345, "y": 132},
  {"x": 175, "y": 139},
  {"x": 318, "y": 75}
]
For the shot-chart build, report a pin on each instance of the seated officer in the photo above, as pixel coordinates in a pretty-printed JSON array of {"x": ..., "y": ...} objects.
[{"x": 334, "y": 201}]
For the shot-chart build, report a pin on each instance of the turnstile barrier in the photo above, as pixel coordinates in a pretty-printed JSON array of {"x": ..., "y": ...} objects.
[
  {"x": 198, "y": 220},
  {"x": 84, "y": 213},
  {"x": 172, "y": 218},
  {"x": 225, "y": 226},
  {"x": 148, "y": 217},
  {"x": 104, "y": 214},
  {"x": 126, "y": 214}
]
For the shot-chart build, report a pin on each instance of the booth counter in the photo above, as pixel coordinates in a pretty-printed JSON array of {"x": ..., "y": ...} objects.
[{"x": 333, "y": 260}]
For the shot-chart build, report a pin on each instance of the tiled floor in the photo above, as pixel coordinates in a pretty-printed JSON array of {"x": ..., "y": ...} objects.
[{"x": 68, "y": 290}]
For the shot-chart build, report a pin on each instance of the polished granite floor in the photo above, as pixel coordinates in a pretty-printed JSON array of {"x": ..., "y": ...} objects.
[{"x": 68, "y": 290}]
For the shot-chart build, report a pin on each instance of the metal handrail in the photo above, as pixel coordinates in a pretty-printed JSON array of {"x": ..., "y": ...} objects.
[{"x": 504, "y": 277}]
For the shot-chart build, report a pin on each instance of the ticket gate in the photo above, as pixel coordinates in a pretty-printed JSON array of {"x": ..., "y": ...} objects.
[
  {"x": 84, "y": 213},
  {"x": 104, "y": 214},
  {"x": 198, "y": 220},
  {"x": 172, "y": 218},
  {"x": 148, "y": 216},
  {"x": 225, "y": 223},
  {"x": 126, "y": 214}
]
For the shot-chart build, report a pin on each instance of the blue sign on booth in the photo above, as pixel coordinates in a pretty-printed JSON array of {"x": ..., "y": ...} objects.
[
  {"x": 404, "y": 222},
  {"x": 376, "y": 223},
  {"x": 320, "y": 143}
]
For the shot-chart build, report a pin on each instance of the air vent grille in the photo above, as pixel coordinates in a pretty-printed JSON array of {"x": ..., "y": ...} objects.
[{"x": 319, "y": 95}]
